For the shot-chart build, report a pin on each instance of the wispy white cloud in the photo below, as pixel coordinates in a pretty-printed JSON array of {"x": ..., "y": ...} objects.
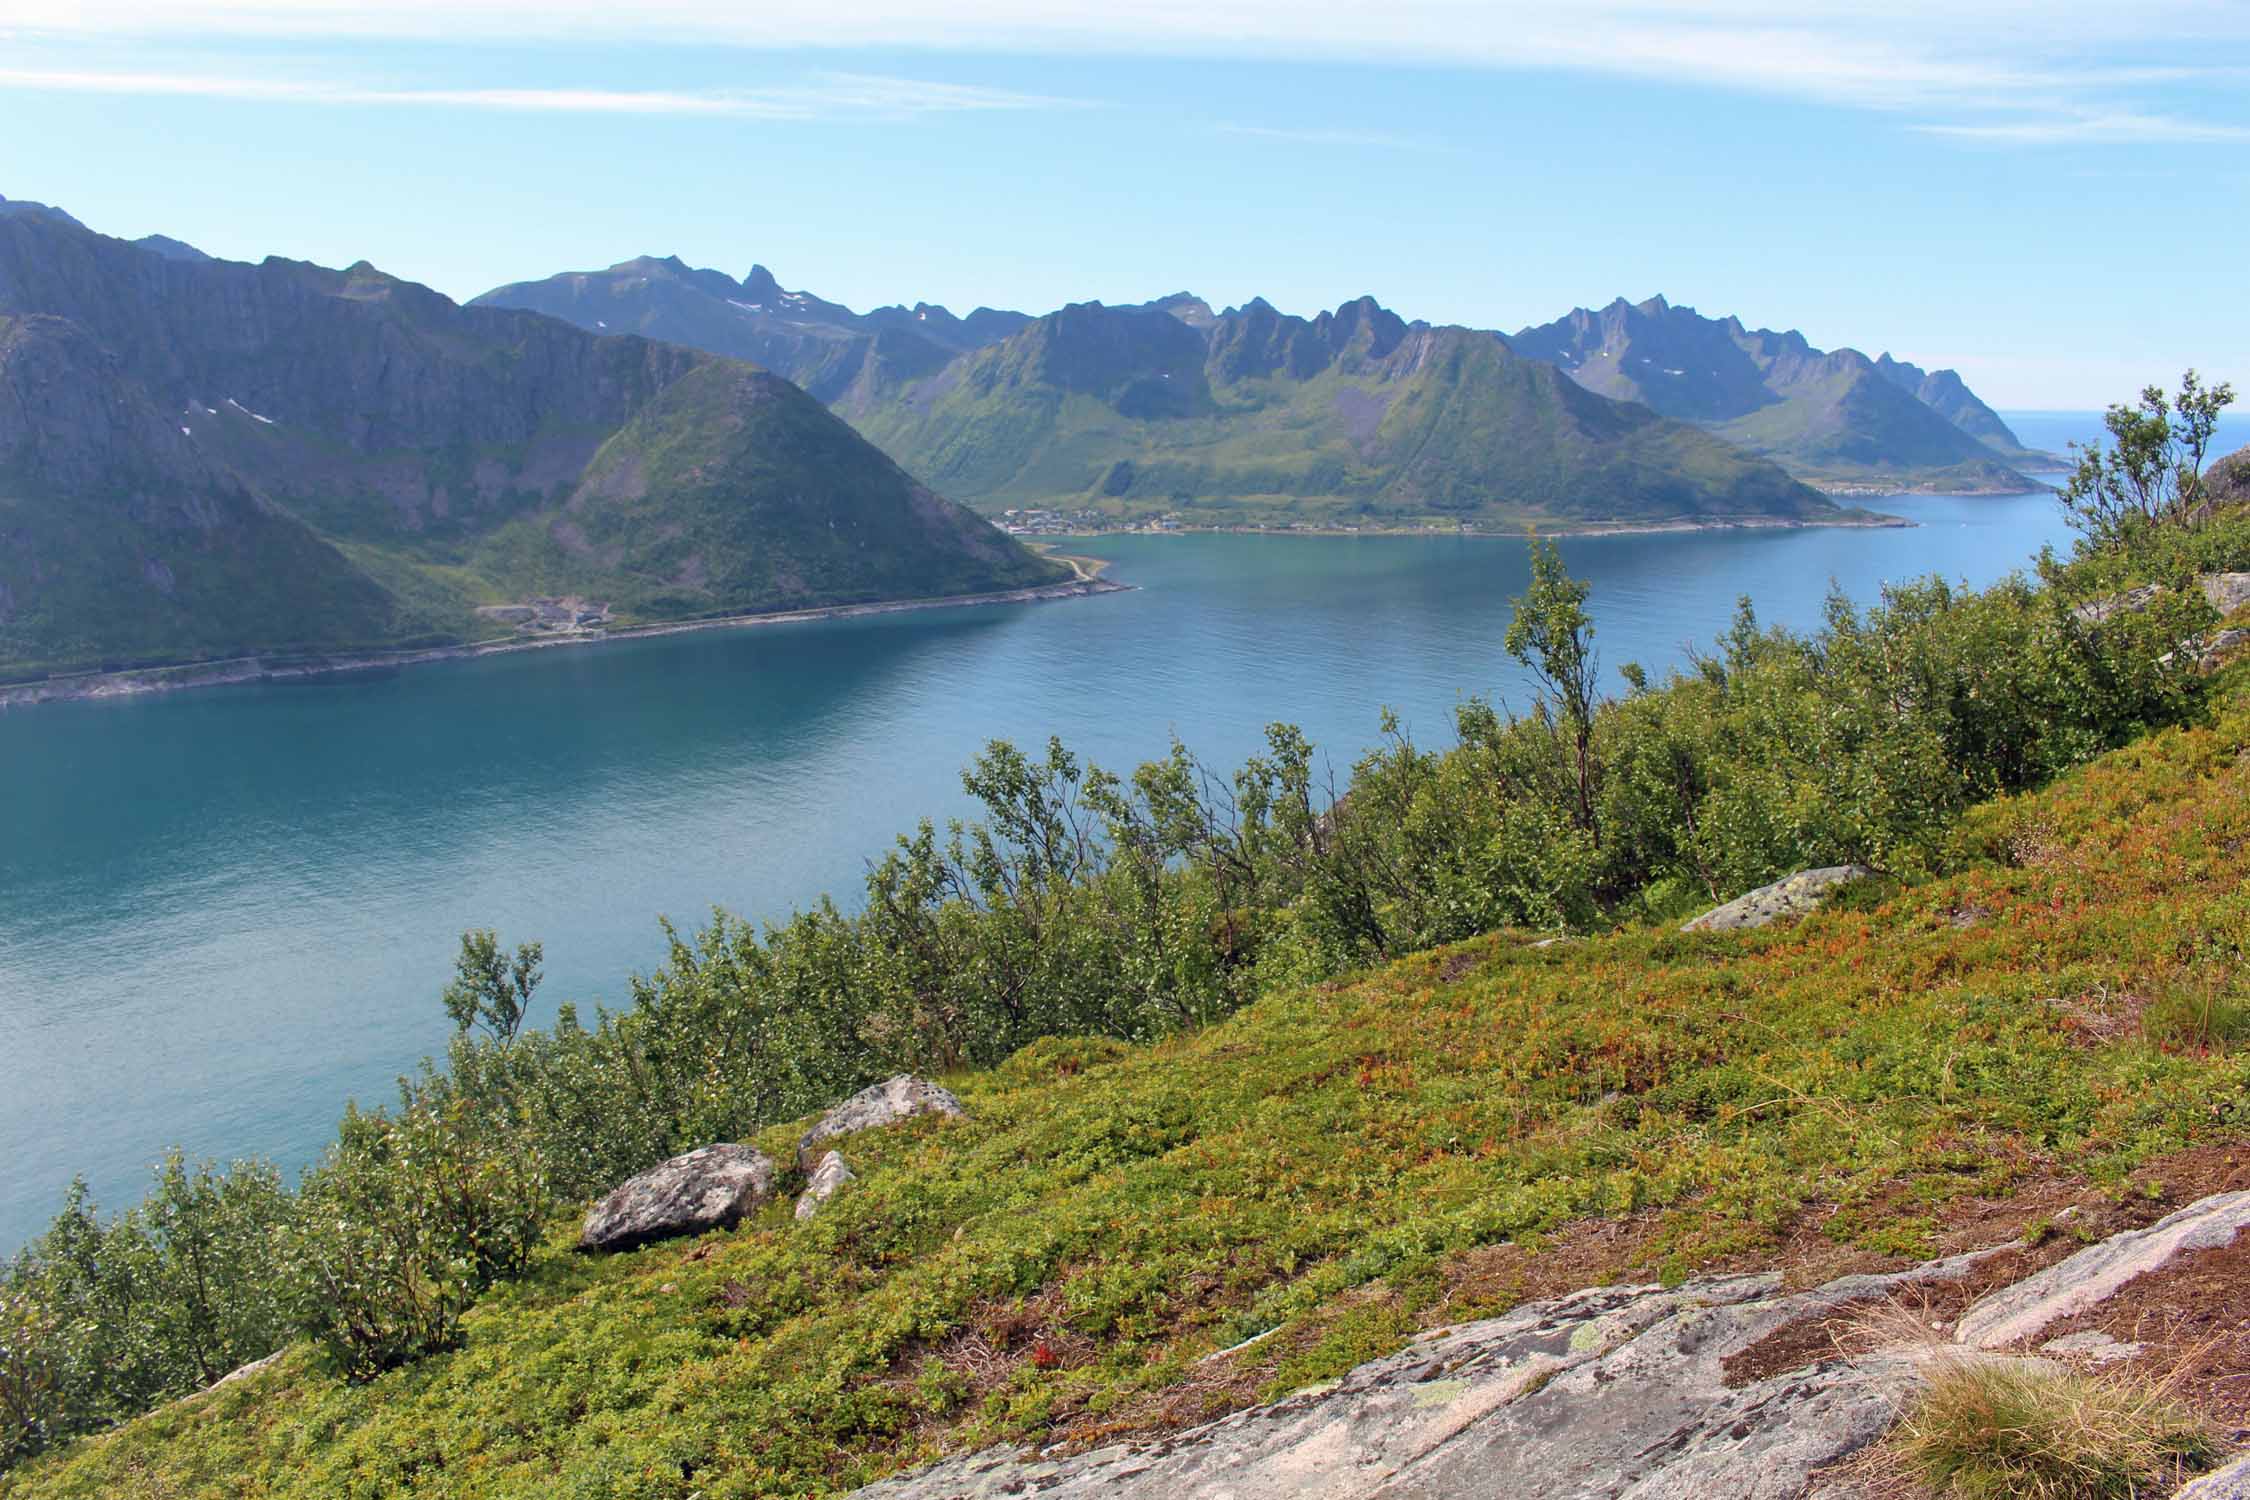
[
  {"x": 1961, "y": 65},
  {"x": 827, "y": 96},
  {"x": 2095, "y": 129},
  {"x": 1382, "y": 140}
]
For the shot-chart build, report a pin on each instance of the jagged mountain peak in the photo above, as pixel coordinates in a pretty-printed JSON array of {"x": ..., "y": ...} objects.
[
  {"x": 1835, "y": 415},
  {"x": 1188, "y": 308},
  {"x": 25, "y": 207},
  {"x": 838, "y": 355},
  {"x": 1363, "y": 324}
]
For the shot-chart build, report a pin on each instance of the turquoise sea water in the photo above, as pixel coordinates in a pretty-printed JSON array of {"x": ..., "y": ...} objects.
[{"x": 224, "y": 912}]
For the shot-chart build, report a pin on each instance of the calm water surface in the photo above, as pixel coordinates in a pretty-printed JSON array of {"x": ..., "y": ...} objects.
[{"x": 224, "y": 912}]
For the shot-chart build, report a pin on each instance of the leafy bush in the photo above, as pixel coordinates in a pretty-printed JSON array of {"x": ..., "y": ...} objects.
[
  {"x": 404, "y": 1223},
  {"x": 99, "y": 1320},
  {"x": 2150, "y": 479}
]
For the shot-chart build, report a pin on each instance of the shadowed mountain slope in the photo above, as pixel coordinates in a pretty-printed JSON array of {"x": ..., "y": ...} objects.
[{"x": 201, "y": 456}]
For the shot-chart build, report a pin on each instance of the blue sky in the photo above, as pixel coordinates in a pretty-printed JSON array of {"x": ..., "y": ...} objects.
[{"x": 2052, "y": 198}]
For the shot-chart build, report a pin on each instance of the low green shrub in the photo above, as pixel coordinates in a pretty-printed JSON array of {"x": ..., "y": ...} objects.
[
  {"x": 407, "y": 1220},
  {"x": 100, "y": 1319}
]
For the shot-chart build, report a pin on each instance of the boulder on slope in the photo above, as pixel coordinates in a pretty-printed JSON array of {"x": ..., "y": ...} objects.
[
  {"x": 1791, "y": 897},
  {"x": 885, "y": 1103},
  {"x": 709, "y": 1188}
]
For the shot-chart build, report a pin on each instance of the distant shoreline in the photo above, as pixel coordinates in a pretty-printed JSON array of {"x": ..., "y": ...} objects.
[
  {"x": 1088, "y": 581},
  {"x": 1856, "y": 520},
  {"x": 227, "y": 671}
]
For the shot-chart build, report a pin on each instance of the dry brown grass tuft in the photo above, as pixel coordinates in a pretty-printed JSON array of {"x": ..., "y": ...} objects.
[{"x": 2020, "y": 1429}]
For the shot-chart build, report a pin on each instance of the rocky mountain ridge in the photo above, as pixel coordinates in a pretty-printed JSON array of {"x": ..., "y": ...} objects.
[
  {"x": 1831, "y": 416},
  {"x": 1835, "y": 418},
  {"x": 817, "y": 344}
]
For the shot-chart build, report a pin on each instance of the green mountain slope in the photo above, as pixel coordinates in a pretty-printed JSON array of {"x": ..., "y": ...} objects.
[
  {"x": 200, "y": 457},
  {"x": 1944, "y": 392},
  {"x": 1255, "y": 417},
  {"x": 1833, "y": 418}
]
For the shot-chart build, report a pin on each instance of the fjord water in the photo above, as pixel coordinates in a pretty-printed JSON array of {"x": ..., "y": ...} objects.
[{"x": 224, "y": 912}]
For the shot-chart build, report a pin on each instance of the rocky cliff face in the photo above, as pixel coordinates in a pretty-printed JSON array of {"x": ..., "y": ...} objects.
[
  {"x": 298, "y": 413},
  {"x": 1947, "y": 394}
]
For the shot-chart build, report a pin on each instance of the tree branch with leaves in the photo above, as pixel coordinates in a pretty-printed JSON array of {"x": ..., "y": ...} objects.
[{"x": 2151, "y": 475}]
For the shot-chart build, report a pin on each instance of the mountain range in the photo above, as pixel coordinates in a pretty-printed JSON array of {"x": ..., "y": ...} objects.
[
  {"x": 1836, "y": 417},
  {"x": 1248, "y": 416},
  {"x": 1270, "y": 442},
  {"x": 201, "y": 457},
  {"x": 819, "y": 345},
  {"x": 1258, "y": 417}
]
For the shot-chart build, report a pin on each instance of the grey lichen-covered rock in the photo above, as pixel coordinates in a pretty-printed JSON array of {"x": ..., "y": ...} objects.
[
  {"x": 1621, "y": 1391},
  {"x": 2227, "y": 482},
  {"x": 2229, "y": 1483},
  {"x": 886, "y": 1103},
  {"x": 1793, "y": 897},
  {"x": 2212, "y": 651},
  {"x": 710, "y": 1188},
  {"x": 2226, "y": 592},
  {"x": 2208, "y": 652},
  {"x": 2130, "y": 602},
  {"x": 830, "y": 1175},
  {"x": 2094, "y": 1274}
]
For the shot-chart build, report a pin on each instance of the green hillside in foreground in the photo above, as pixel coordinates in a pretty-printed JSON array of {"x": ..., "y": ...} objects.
[
  {"x": 201, "y": 458},
  {"x": 2053, "y": 1019},
  {"x": 1257, "y": 418}
]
